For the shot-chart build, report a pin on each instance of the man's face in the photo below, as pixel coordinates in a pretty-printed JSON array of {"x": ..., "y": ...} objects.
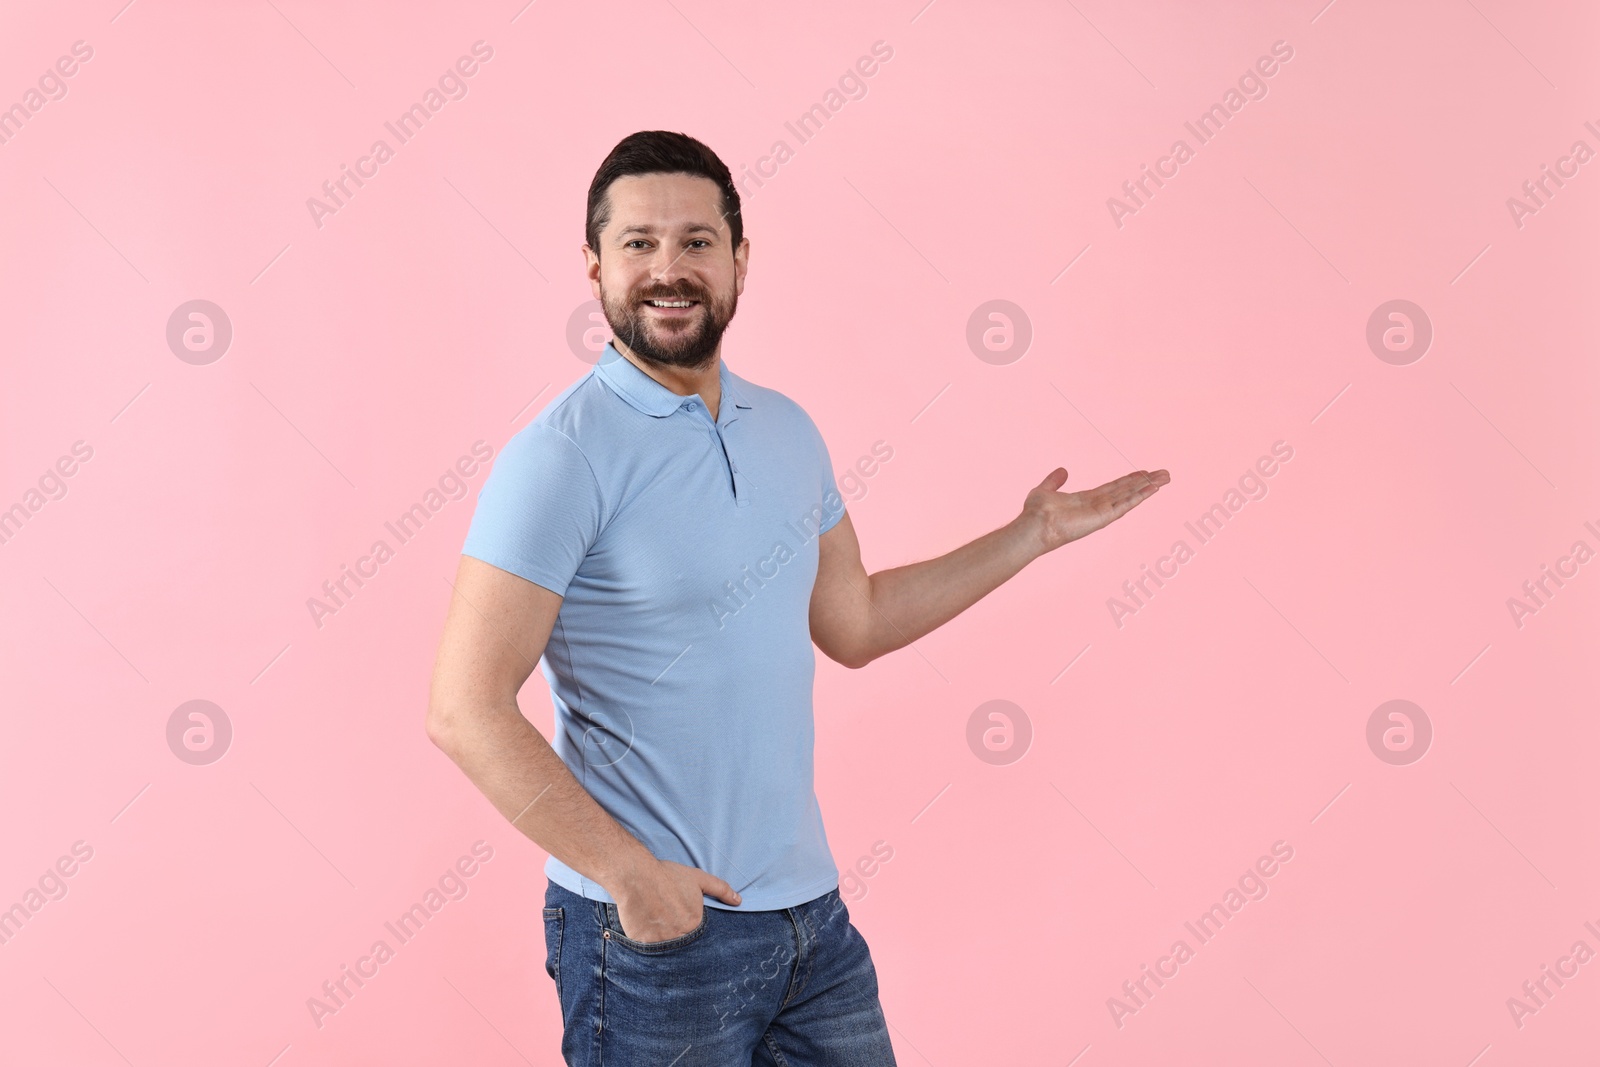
[{"x": 667, "y": 243}]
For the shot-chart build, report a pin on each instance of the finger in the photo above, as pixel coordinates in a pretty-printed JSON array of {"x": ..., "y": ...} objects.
[
  {"x": 1121, "y": 495},
  {"x": 1159, "y": 477},
  {"x": 712, "y": 886},
  {"x": 1139, "y": 491},
  {"x": 1118, "y": 490},
  {"x": 1139, "y": 483},
  {"x": 1054, "y": 480}
]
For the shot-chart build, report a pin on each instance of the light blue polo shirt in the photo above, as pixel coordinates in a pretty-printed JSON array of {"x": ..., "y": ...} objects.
[{"x": 681, "y": 662}]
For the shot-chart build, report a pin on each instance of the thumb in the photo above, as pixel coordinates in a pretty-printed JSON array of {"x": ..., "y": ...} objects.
[
  {"x": 712, "y": 886},
  {"x": 1054, "y": 480}
]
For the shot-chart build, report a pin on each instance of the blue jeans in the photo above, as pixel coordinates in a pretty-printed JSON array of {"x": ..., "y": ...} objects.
[{"x": 794, "y": 987}]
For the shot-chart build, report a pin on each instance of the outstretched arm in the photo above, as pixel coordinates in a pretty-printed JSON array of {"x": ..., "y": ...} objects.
[{"x": 857, "y": 617}]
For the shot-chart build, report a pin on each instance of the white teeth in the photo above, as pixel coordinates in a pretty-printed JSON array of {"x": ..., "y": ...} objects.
[{"x": 669, "y": 303}]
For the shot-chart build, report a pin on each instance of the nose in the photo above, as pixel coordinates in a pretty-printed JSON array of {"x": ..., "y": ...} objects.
[{"x": 667, "y": 266}]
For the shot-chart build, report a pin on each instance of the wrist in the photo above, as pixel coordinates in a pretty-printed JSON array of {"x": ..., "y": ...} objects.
[
  {"x": 627, "y": 870},
  {"x": 1029, "y": 534}
]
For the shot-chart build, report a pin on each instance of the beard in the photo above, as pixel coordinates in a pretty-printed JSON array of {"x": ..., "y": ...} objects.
[{"x": 686, "y": 341}]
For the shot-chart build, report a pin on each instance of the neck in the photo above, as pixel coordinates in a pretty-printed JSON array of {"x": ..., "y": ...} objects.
[{"x": 705, "y": 379}]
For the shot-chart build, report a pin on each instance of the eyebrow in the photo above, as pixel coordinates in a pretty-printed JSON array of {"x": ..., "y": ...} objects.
[{"x": 699, "y": 227}]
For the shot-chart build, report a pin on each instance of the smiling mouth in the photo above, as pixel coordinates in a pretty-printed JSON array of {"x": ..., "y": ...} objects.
[{"x": 671, "y": 310}]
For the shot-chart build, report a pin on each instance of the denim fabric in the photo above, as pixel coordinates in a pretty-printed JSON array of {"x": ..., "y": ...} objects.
[{"x": 793, "y": 987}]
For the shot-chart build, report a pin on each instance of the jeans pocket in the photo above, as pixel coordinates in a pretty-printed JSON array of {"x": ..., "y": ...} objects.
[
  {"x": 554, "y": 922},
  {"x": 614, "y": 930}
]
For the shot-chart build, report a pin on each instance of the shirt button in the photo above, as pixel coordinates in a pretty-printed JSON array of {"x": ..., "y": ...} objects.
[{"x": 692, "y": 405}]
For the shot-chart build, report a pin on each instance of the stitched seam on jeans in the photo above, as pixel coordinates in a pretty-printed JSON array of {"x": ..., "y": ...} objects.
[
  {"x": 794, "y": 978},
  {"x": 811, "y": 958},
  {"x": 600, "y": 1007},
  {"x": 772, "y": 1047},
  {"x": 670, "y": 945},
  {"x": 561, "y": 924}
]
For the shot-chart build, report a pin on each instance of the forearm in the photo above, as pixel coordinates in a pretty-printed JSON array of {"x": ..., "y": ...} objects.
[
  {"x": 514, "y": 766},
  {"x": 904, "y": 603}
]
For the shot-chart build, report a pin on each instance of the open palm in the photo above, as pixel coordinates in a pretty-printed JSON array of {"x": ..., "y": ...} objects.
[{"x": 1063, "y": 517}]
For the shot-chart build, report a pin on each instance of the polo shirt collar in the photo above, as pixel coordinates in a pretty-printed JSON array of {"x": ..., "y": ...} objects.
[{"x": 649, "y": 395}]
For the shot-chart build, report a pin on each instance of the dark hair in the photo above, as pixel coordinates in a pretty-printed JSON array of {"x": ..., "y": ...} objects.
[{"x": 658, "y": 152}]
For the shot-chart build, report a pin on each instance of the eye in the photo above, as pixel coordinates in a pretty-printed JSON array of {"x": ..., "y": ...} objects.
[
  {"x": 635, "y": 241},
  {"x": 701, "y": 241}
]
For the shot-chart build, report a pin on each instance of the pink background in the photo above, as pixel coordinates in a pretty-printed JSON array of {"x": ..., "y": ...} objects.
[{"x": 432, "y": 310}]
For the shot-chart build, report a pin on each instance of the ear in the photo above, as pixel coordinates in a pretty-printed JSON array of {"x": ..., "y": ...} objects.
[
  {"x": 591, "y": 268},
  {"x": 741, "y": 263}
]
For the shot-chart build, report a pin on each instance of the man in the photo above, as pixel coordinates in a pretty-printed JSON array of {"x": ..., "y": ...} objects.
[{"x": 668, "y": 540}]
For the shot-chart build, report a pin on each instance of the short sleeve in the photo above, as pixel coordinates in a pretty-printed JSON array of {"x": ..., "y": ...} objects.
[
  {"x": 539, "y": 511},
  {"x": 832, "y": 502}
]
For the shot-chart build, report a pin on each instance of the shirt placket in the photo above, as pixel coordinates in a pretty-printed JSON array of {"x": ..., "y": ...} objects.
[{"x": 730, "y": 460}]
